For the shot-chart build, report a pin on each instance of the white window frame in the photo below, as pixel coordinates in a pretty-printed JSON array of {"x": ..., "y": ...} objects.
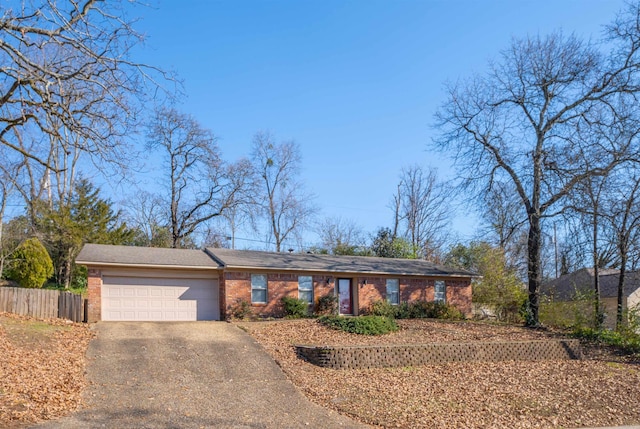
[
  {"x": 309, "y": 291},
  {"x": 391, "y": 293},
  {"x": 440, "y": 291},
  {"x": 257, "y": 287}
]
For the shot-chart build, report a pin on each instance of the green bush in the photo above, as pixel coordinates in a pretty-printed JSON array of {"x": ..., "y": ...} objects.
[
  {"x": 30, "y": 265},
  {"x": 434, "y": 310},
  {"x": 382, "y": 308},
  {"x": 625, "y": 340},
  {"x": 326, "y": 305},
  {"x": 363, "y": 325},
  {"x": 294, "y": 308},
  {"x": 576, "y": 313},
  {"x": 415, "y": 310}
]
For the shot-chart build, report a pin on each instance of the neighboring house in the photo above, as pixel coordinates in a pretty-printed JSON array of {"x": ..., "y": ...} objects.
[
  {"x": 141, "y": 283},
  {"x": 581, "y": 283}
]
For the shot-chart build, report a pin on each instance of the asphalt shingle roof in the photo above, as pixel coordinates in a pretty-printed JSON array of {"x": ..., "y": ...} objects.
[
  {"x": 213, "y": 258},
  {"x": 331, "y": 263},
  {"x": 565, "y": 287},
  {"x": 97, "y": 254}
]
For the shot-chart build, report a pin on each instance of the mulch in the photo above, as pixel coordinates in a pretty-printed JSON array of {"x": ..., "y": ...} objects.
[{"x": 601, "y": 390}]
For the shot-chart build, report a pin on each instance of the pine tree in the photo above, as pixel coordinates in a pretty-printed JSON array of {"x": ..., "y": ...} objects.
[{"x": 66, "y": 226}]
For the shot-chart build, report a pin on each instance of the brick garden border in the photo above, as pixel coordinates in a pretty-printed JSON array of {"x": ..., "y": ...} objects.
[{"x": 361, "y": 357}]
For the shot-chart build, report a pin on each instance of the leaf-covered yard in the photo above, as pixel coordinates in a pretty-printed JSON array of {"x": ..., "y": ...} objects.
[
  {"x": 42, "y": 368},
  {"x": 597, "y": 391}
]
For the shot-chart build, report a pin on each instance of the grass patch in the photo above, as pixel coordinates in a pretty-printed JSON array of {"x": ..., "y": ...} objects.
[
  {"x": 30, "y": 331},
  {"x": 363, "y": 325}
]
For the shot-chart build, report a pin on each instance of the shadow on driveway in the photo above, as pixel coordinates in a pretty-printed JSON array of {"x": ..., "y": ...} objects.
[{"x": 189, "y": 375}]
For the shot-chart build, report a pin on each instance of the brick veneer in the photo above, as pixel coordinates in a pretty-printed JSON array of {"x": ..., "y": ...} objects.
[
  {"x": 361, "y": 357},
  {"x": 94, "y": 294},
  {"x": 236, "y": 287}
]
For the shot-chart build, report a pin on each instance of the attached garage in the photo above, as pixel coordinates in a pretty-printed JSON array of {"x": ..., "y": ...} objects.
[
  {"x": 129, "y": 283},
  {"x": 167, "y": 298}
]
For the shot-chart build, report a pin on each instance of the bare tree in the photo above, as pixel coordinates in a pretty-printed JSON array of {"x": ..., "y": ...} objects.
[
  {"x": 7, "y": 188},
  {"x": 285, "y": 204},
  {"x": 198, "y": 183},
  {"x": 342, "y": 236},
  {"x": 66, "y": 69},
  {"x": 144, "y": 212},
  {"x": 423, "y": 209},
  {"x": 548, "y": 104},
  {"x": 501, "y": 212},
  {"x": 621, "y": 209}
]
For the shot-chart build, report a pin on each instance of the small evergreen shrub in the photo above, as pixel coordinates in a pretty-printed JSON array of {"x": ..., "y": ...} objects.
[
  {"x": 326, "y": 305},
  {"x": 363, "y": 325},
  {"x": 415, "y": 310},
  {"x": 294, "y": 308},
  {"x": 31, "y": 265},
  {"x": 382, "y": 308},
  {"x": 241, "y": 309},
  {"x": 433, "y": 310}
]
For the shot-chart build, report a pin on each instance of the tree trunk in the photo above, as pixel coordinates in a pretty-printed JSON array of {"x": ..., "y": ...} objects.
[
  {"x": 598, "y": 319},
  {"x": 534, "y": 267},
  {"x": 623, "y": 269}
]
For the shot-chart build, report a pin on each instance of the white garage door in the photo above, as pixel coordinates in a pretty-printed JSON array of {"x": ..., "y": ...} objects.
[{"x": 159, "y": 299}]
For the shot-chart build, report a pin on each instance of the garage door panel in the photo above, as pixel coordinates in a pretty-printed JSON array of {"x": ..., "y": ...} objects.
[{"x": 150, "y": 299}]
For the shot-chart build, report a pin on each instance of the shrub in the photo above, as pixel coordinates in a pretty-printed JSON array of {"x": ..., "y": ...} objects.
[
  {"x": 382, "y": 308},
  {"x": 433, "y": 310},
  {"x": 576, "y": 313},
  {"x": 326, "y": 305},
  {"x": 241, "y": 309},
  {"x": 363, "y": 325},
  {"x": 415, "y": 310},
  {"x": 294, "y": 308},
  {"x": 31, "y": 265},
  {"x": 626, "y": 341}
]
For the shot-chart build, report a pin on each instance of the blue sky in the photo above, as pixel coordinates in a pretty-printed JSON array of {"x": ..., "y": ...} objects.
[{"x": 355, "y": 83}]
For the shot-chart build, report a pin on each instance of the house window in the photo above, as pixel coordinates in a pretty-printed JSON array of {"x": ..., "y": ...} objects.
[
  {"x": 440, "y": 291},
  {"x": 305, "y": 288},
  {"x": 259, "y": 288},
  {"x": 393, "y": 291}
]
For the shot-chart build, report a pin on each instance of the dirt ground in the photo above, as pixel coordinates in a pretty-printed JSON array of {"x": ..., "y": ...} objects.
[
  {"x": 42, "y": 366},
  {"x": 601, "y": 390}
]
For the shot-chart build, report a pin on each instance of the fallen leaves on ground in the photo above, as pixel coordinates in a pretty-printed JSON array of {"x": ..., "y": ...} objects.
[
  {"x": 42, "y": 369},
  {"x": 548, "y": 394}
]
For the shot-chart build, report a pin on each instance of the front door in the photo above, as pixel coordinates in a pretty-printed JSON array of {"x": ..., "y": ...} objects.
[{"x": 344, "y": 292}]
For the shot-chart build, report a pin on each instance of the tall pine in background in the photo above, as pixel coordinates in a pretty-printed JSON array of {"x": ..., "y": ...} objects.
[{"x": 65, "y": 226}]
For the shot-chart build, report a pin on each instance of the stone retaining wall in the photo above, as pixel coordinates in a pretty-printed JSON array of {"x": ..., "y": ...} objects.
[{"x": 360, "y": 357}]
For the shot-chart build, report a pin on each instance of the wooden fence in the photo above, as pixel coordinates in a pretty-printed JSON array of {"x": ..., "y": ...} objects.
[{"x": 43, "y": 303}]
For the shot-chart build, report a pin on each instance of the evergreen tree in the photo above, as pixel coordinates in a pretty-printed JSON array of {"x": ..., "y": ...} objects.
[
  {"x": 66, "y": 226},
  {"x": 386, "y": 245}
]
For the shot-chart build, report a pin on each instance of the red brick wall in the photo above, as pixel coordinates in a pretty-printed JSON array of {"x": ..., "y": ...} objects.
[
  {"x": 414, "y": 289},
  {"x": 94, "y": 293},
  {"x": 459, "y": 295},
  {"x": 374, "y": 290},
  {"x": 237, "y": 287}
]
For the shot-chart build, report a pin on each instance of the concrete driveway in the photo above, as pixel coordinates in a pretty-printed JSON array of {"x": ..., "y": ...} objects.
[{"x": 189, "y": 375}]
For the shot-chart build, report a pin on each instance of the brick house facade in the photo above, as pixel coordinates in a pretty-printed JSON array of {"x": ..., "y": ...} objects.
[
  {"x": 369, "y": 290},
  {"x": 136, "y": 283}
]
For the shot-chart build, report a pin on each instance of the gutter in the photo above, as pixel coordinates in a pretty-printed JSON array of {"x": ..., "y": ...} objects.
[{"x": 124, "y": 265}]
